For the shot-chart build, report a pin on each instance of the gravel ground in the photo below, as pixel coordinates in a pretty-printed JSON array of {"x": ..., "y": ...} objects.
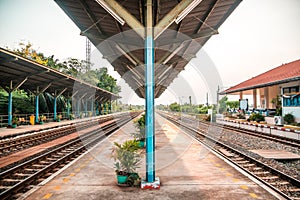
[{"x": 245, "y": 143}]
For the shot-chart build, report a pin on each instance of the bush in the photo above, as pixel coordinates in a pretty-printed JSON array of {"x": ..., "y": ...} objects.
[
  {"x": 289, "y": 118},
  {"x": 241, "y": 116},
  {"x": 256, "y": 117}
]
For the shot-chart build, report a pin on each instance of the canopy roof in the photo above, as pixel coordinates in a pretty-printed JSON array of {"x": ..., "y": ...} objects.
[
  {"x": 18, "y": 72},
  {"x": 282, "y": 74},
  {"x": 120, "y": 39}
]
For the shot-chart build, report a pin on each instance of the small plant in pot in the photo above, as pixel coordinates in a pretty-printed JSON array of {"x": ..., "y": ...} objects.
[
  {"x": 42, "y": 118},
  {"x": 141, "y": 134},
  {"x": 15, "y": 122},
  {"x": 127, "y": 160}
]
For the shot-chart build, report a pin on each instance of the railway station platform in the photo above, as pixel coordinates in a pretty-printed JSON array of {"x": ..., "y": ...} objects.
[
  {"x": 38, "y": 127},
  {"x": 187, "y": 170}
]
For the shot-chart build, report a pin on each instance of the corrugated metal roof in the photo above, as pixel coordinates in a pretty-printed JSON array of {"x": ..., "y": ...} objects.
[
  {"x": 282, "y": 74},
  {"x": 200, "y": 24},
  {"x": 15, "y": 69}
]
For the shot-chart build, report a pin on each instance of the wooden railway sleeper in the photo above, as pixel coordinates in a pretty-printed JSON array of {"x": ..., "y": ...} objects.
[
  {"x": 280, "y": 183},
  {"x": 269, "y": 178}
]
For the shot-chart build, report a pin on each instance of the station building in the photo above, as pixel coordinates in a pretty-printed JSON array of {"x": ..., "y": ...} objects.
[{"x": 282, "y": 82}]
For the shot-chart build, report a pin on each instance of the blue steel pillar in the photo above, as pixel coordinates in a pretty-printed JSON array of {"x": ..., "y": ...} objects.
[
  {"x": 97, "y": 108},
  {"x": 150, "y": 138},
  {"x": 109, "y": 107},
  {"x": 104, "y": 108},
  {"x": 85, "y": 108},
  {"x": 37, "y": 108},
  {"x": 92, "y": 107},
  {"x": 78, "y": 107},
  {"x": 9, "y": 108},
  {"x": 55, "y": 109},
  {"x": 68, "y": 108},
  {"x": 100, "y": 108}
]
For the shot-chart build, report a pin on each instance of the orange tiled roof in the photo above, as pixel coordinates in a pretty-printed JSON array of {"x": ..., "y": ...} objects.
[{"x": 282, "y": 74}]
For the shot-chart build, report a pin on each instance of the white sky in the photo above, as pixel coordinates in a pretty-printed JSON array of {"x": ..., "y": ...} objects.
[{"x": 258, "y": 36}]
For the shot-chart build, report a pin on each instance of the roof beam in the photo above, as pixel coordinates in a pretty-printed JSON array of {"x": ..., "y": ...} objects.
[
  {"x": 92, "y": 17},
  {"x": 207, "y": 14},
  {"x": 123, "y": 13},
  {"x": 165, "y": 22}
]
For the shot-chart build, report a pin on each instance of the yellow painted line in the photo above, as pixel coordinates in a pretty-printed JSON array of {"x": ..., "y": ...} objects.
[
  {"x": 65, "y": 180},
  {"x": 244, "y": 187},
  {"x": 222, "y": 168},
  {"x": 57, "y": 187},
  {"x": 218, "y": 165},
  {"x": 253, "y": 195},
  {"x": 86, "y": 162},
  {"x": 72, "y": 174},
  {"x": 83, "y": 165},
  {"x": 236, "y": 180},
  {"x": 47, "y": 196},
  {"x": 91, "y": 159},
  {"x": 77, "y": 170},
  {"x": 228, "y": 174}
]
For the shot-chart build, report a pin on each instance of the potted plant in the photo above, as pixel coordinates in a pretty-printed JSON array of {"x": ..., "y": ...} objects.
[
  {"x": 127, "y": 159},
  {"x": 141, "y": 134},
  {"x": 15, "y": 122},
  {"x": 42, "y": 118},
  {"x": 59, "y": 117},
  {"x": 71, "y": 116}
]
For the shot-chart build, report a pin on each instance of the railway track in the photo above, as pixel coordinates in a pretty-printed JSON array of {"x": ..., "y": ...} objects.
[
  {"x": 275, "y": 138},
  {"x": 14, "y": 144},
  {"x": 286, "y": 186},
  {"x": 22, "y": 177}
]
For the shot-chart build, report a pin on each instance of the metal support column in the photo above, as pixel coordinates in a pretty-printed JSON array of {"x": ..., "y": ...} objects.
[
  {"x": 36, "y": 108},
  {"x": 149, "y": 83},
  {"x": 55, "y": 109},
  {"x": 85, "y": 108},
  {"x": 100, "y": 108},
  {"x": 104, "y": 108},
  {"x": 78, "y": 107},
  {"x": 68, "y": 108},
  {"x": 109, "y": 107},
  {"x": 97, "y": 108},
  {"x": 92, "y": 106},
  {"x": 9, "y": 108}
]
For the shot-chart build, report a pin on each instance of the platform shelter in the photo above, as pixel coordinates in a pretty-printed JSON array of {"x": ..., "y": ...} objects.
[
  {"x": 148, "y": 42},
  {"x": 17, "y": 72}
]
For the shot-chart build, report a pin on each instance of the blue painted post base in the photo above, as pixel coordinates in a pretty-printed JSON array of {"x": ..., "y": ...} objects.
[{"x": 150, "y": 186}]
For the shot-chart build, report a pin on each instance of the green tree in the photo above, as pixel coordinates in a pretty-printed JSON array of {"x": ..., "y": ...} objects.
[
  {"x": 106, "y": 81},
  {"x": 174, "y": 107},
  {"x": 233, "y": 104}
]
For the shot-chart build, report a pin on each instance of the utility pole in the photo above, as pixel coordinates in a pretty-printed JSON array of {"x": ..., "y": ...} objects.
[
  {"x": 218, "y": 99},
  {"x": 207, "y": 99}
]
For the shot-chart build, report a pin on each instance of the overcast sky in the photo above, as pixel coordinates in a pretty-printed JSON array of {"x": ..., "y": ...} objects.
[{"x": 258, "y": 36}]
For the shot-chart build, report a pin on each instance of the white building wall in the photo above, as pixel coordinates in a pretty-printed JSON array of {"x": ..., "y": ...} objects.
[
  {"x": 293, "y": 110},
  {"x": 290, "y": 109}
]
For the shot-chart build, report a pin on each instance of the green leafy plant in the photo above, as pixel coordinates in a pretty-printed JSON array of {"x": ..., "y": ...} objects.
[
  {"x": 256, "y": 117},
  {"x": 15, "y": 120},
  {"x": 140, "y": 125},
  {"x": 289, "y": 118},
  {"x": 126, "y": 157}
]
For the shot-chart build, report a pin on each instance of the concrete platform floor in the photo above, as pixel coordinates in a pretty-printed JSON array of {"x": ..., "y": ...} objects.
[
  {"x": 186, "y": 170},
  {"x": 38, "y": 127}
]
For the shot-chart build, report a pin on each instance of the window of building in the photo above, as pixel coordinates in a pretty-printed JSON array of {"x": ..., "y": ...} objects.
[{"x": 293, "y": 89}]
